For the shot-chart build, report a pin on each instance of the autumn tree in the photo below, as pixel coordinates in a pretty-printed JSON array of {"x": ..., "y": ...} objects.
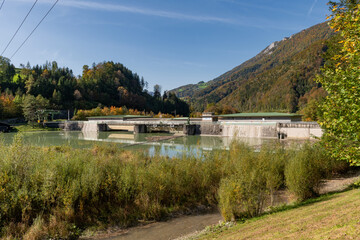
[
  {"x": 9, "y": 108},
  {"x": 340, "y": 78},
  {"x": 102, "y": 84}
]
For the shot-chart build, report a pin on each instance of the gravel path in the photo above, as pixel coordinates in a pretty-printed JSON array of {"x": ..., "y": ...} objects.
[
  {"x": 171, "y": 229},
  {"x": 339, "y": 183}
]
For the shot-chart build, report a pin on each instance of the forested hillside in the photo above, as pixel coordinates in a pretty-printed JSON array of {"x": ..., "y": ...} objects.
[
  {"x": 104, "y": 84},
  {"x": 279, "y": 78}
]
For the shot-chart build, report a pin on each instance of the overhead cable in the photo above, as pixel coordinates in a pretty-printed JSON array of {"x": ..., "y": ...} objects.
[
  {"x": 2, "y": 4},
  {"x": 19, "y": 27},
  {"x": 35, "y": 28}
]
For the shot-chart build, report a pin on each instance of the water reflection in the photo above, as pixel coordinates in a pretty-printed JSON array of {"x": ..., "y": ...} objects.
[{"x": 155, "y": 144}]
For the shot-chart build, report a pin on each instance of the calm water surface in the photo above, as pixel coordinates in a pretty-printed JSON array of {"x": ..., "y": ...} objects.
[{"x": 152, "y": 143}]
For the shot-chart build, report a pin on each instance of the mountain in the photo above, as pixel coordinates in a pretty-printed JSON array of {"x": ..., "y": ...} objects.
[{"x": 274, "y": 80}]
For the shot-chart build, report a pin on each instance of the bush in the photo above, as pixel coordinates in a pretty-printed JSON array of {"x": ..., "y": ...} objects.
[
  {"x": 229, "y": 199},
  {"x": 243, "y": 194},
  {"x": 257, "y": 176},
  {"x": 276, "y": 158},
  {"x": 57, "y": 191},
  {"x": 305, "y": 169}
]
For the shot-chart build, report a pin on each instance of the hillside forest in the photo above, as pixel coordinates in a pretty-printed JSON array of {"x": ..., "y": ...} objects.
[
  {"x": 106, "y": 84},
  {"x": 280, "y": 78}
]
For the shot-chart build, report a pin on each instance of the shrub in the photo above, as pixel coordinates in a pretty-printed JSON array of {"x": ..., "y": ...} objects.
[
  {"x": 276, "y": 158},
  {"x": 243, "y": 194},
  {"x": 229, "y": 199},
  {"x": 56, "y": 191},
  {"x": 305, "y": 169}
]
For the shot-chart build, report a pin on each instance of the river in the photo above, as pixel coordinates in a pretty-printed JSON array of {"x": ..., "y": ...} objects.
[{"x": 154, "y": 143}]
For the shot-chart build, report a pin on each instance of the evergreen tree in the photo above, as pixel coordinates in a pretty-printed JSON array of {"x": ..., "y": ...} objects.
[{"x": 157, "y": 91}]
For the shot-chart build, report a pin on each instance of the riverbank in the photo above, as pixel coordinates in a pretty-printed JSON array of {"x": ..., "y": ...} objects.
[
  {"x": 59, "y": 192},
  {"x": 165, "y": 230},
  {"x": 24, "y": 127},
  {"x": 204, "y": 225},
  {"x": 332, "y": 216}
]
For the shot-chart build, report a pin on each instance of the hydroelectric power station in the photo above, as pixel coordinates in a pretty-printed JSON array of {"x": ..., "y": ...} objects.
[{"x": 243, "y": 125}]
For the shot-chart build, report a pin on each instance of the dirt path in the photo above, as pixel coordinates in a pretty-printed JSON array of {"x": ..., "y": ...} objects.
[
  {"x": 187, "y": 225},
  {"x": 339, "y": 183},
  {"x": 171, "y": 229}
]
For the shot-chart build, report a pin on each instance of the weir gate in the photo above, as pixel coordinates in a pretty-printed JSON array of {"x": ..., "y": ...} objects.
[{"x": 246, "y": 129}]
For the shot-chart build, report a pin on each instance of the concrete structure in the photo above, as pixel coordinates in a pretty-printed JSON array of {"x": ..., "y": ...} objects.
[
  {"x": 140, "y": 128},
  {"x": 189, "y": 129},
  {"x": 244, "y": 125},
  {"x": 93, "y": 126},
  {"x": 302, "y": 130},
  {"x": 209, "y": 117},
  {"x": 263, "y": 117},
  {"x": 72, "y": 125},
  {"x": 250, "y": 129}
]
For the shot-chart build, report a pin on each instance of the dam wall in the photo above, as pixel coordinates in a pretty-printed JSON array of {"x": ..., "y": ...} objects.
[
  {"x": 208, "y": 129},
  {"x": 250, "y": 130},
  {"x": 72, "y": 125},
  {"x": 92, "y": 126},
  {"x": 241, "y": 129},
  {"x": 300, "y": 130}
]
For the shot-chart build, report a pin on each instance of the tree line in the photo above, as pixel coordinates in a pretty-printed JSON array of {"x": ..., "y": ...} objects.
[{"x": 103, "y": 84}]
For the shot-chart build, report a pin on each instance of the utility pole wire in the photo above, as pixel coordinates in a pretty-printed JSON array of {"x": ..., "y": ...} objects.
[
  {"x": 19, "y": 27},
  {"x": 35, "y": 28},
  {"x": 2, "y": 4}
]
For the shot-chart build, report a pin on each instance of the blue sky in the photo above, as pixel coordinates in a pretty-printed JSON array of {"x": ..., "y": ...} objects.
[{"x": 168, "y": 42}]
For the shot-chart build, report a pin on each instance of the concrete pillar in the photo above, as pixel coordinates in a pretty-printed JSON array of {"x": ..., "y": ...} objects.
[
  {"x": 281, "y": 135},
  {"x": 189, "y": 129},
  {"x": 102, "y": 127},
  {"x": 140, "y": 128}
]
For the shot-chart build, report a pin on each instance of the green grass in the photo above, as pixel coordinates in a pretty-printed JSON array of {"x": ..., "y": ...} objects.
[
  {"x": 334, "y": 216},
  {"x": 30, "y": 128}
]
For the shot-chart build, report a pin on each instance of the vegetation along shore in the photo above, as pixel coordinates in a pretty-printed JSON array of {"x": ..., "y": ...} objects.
[{"x": 58, "y": 192}]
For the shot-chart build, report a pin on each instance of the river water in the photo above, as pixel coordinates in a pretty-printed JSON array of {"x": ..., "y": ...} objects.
[{"x": 154, "y": 143}]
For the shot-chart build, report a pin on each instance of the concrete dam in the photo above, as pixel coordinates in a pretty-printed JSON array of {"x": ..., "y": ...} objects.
[{"x": 276, "y": 126}]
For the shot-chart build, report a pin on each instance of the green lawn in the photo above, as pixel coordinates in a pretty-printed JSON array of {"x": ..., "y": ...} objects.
[
  {"x": 335, "y": 216},
  {"x": 29, "y": 128}
]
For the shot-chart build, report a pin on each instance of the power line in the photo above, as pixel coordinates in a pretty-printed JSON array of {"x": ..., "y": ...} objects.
[
  {"x": 2, "y": 4},
  {"x": 35, "y": 28},
  {"x": 19, "y": 27}
]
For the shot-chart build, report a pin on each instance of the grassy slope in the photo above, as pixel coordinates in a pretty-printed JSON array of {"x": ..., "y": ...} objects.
[
  {"x": 29, "y": 128},
  {"x": 334, "y": 217}
]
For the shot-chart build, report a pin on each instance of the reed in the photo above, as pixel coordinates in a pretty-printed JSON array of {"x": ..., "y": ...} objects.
[{"x": 57, "y": 192}]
